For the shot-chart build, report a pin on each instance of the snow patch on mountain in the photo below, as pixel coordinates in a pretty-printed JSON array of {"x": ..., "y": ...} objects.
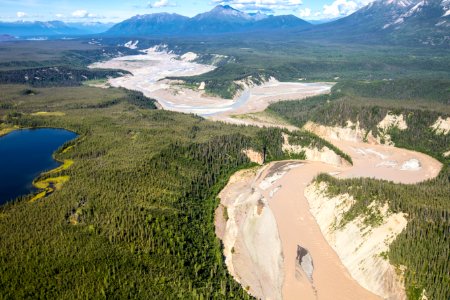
[
  {"x": 412, "y": 11},
  {"x": 224, "y": 11},
  {"x": 400, "y": 3},
  {"x": 446, "y": 7}
]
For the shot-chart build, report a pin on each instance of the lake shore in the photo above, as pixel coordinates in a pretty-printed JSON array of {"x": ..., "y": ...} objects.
[
  {"x": 6, "y": 130},
  {"x": 28, "y": 164}
]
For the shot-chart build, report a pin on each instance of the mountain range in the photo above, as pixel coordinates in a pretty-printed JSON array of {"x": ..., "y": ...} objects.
[
  {"x": 220, "y": 20},
  {"x": 401, "y": 21},
  {"x": 410, "y": 22},
  {"x": 52, "y": 28}
]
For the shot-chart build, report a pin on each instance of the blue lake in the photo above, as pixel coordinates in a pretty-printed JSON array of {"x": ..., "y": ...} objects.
[{"x": 24, "y": 154}]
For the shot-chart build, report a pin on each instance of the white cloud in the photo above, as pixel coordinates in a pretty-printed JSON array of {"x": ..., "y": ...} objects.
[
  {"x": 82, "y": 14},
  {"x": 161, "y": 3},
  {"x": 337, "y": 8},
  {"x": 340, "y": 8},
  {"x": 304, "y": 13},
  {"x": 21, "y": 14},
  {"x": 59, "y": 16},
  {"x": 263, "y": 5}
]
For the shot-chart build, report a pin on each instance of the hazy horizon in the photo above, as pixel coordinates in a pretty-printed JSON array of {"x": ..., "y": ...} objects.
[{"x": 90, "y": 11}]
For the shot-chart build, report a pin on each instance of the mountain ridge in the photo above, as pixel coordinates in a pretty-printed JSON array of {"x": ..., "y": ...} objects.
[
  {"x": 221, "y": 19},
  {"x": 408, "y": 22},
  {"x": 51, "y": 28},
  {"x": 402, "y": 22}
]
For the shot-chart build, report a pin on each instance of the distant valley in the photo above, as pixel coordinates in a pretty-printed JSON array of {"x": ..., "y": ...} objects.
[{"x": 225, "y": 150}]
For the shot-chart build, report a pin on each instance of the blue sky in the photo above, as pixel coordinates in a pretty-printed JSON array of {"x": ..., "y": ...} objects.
[{"x": 118, "y": 10}]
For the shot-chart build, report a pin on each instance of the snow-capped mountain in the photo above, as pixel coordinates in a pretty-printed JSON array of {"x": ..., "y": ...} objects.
[
  {"x": 393, "y": 21},
  {"x": 425, "y": 10},
  {"x": 403, "y": 22},
  {"x": 224, "y": 12},
  {"x": 221, "y": 19}
]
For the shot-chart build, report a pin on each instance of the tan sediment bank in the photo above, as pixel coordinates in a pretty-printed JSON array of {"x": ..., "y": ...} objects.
[
  {"x": 280, "y": 185},
  {"x": 346, "y": 263},
  {"x": 282, "y": 189},
  {"x": 361, "y": 247},
  {"x": 255, "y": 261},
  {"x": 378, "y": 161}
]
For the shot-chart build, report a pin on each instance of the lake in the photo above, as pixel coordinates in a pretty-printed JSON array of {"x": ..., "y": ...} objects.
[{"x": 24, "y": 154}]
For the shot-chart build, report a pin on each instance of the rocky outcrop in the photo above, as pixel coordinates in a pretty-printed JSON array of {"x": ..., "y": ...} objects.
[
  {"x": 324, "y": 154},
  {"x": 361, "y": 246},
  {"x": 254, "y": 156},
  {"x": 305, "y": 263},
  {"x": 389, "y": 122},
  {"x": 441, "y": 126},
  {"x": 351, "y": 132},
  {"x": 251, "y": 241},
  {"x": 392, "y": 120},
  {"x": 250, "y": 81}
]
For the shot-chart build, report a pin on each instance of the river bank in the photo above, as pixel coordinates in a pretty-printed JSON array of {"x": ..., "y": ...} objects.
[
  {"x": 150, "y": 70},
  {"x": 283, "y": 190}
]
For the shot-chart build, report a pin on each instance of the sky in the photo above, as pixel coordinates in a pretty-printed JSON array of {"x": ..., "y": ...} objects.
[{"x": 118, "y": 10}]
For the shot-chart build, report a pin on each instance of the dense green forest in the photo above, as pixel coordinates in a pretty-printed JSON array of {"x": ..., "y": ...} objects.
[
  {"x": 56, "y": 63},
  {"x": 135, "y": 219},
  {"x": 297, "y": 60},
  {"x": 240, "y": 57},
  {"x": 342, "y": 105},
  {"x": 71, "y": 53},
  {"x": 424, "y": 246},
  {"x": 401, "y": 89},
  {"x": 55, "y": 76}
]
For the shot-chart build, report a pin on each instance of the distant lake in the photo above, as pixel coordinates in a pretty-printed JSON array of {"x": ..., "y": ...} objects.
[{"x": 24, "y": 154}]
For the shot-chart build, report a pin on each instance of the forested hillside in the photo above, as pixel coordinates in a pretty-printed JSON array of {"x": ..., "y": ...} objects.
[
  {"x": 296, "y": 60},
  {"x": 55, "y": 76},
  {"x": 56, "y": 63},
  {"x": 135, "y": 219}
]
